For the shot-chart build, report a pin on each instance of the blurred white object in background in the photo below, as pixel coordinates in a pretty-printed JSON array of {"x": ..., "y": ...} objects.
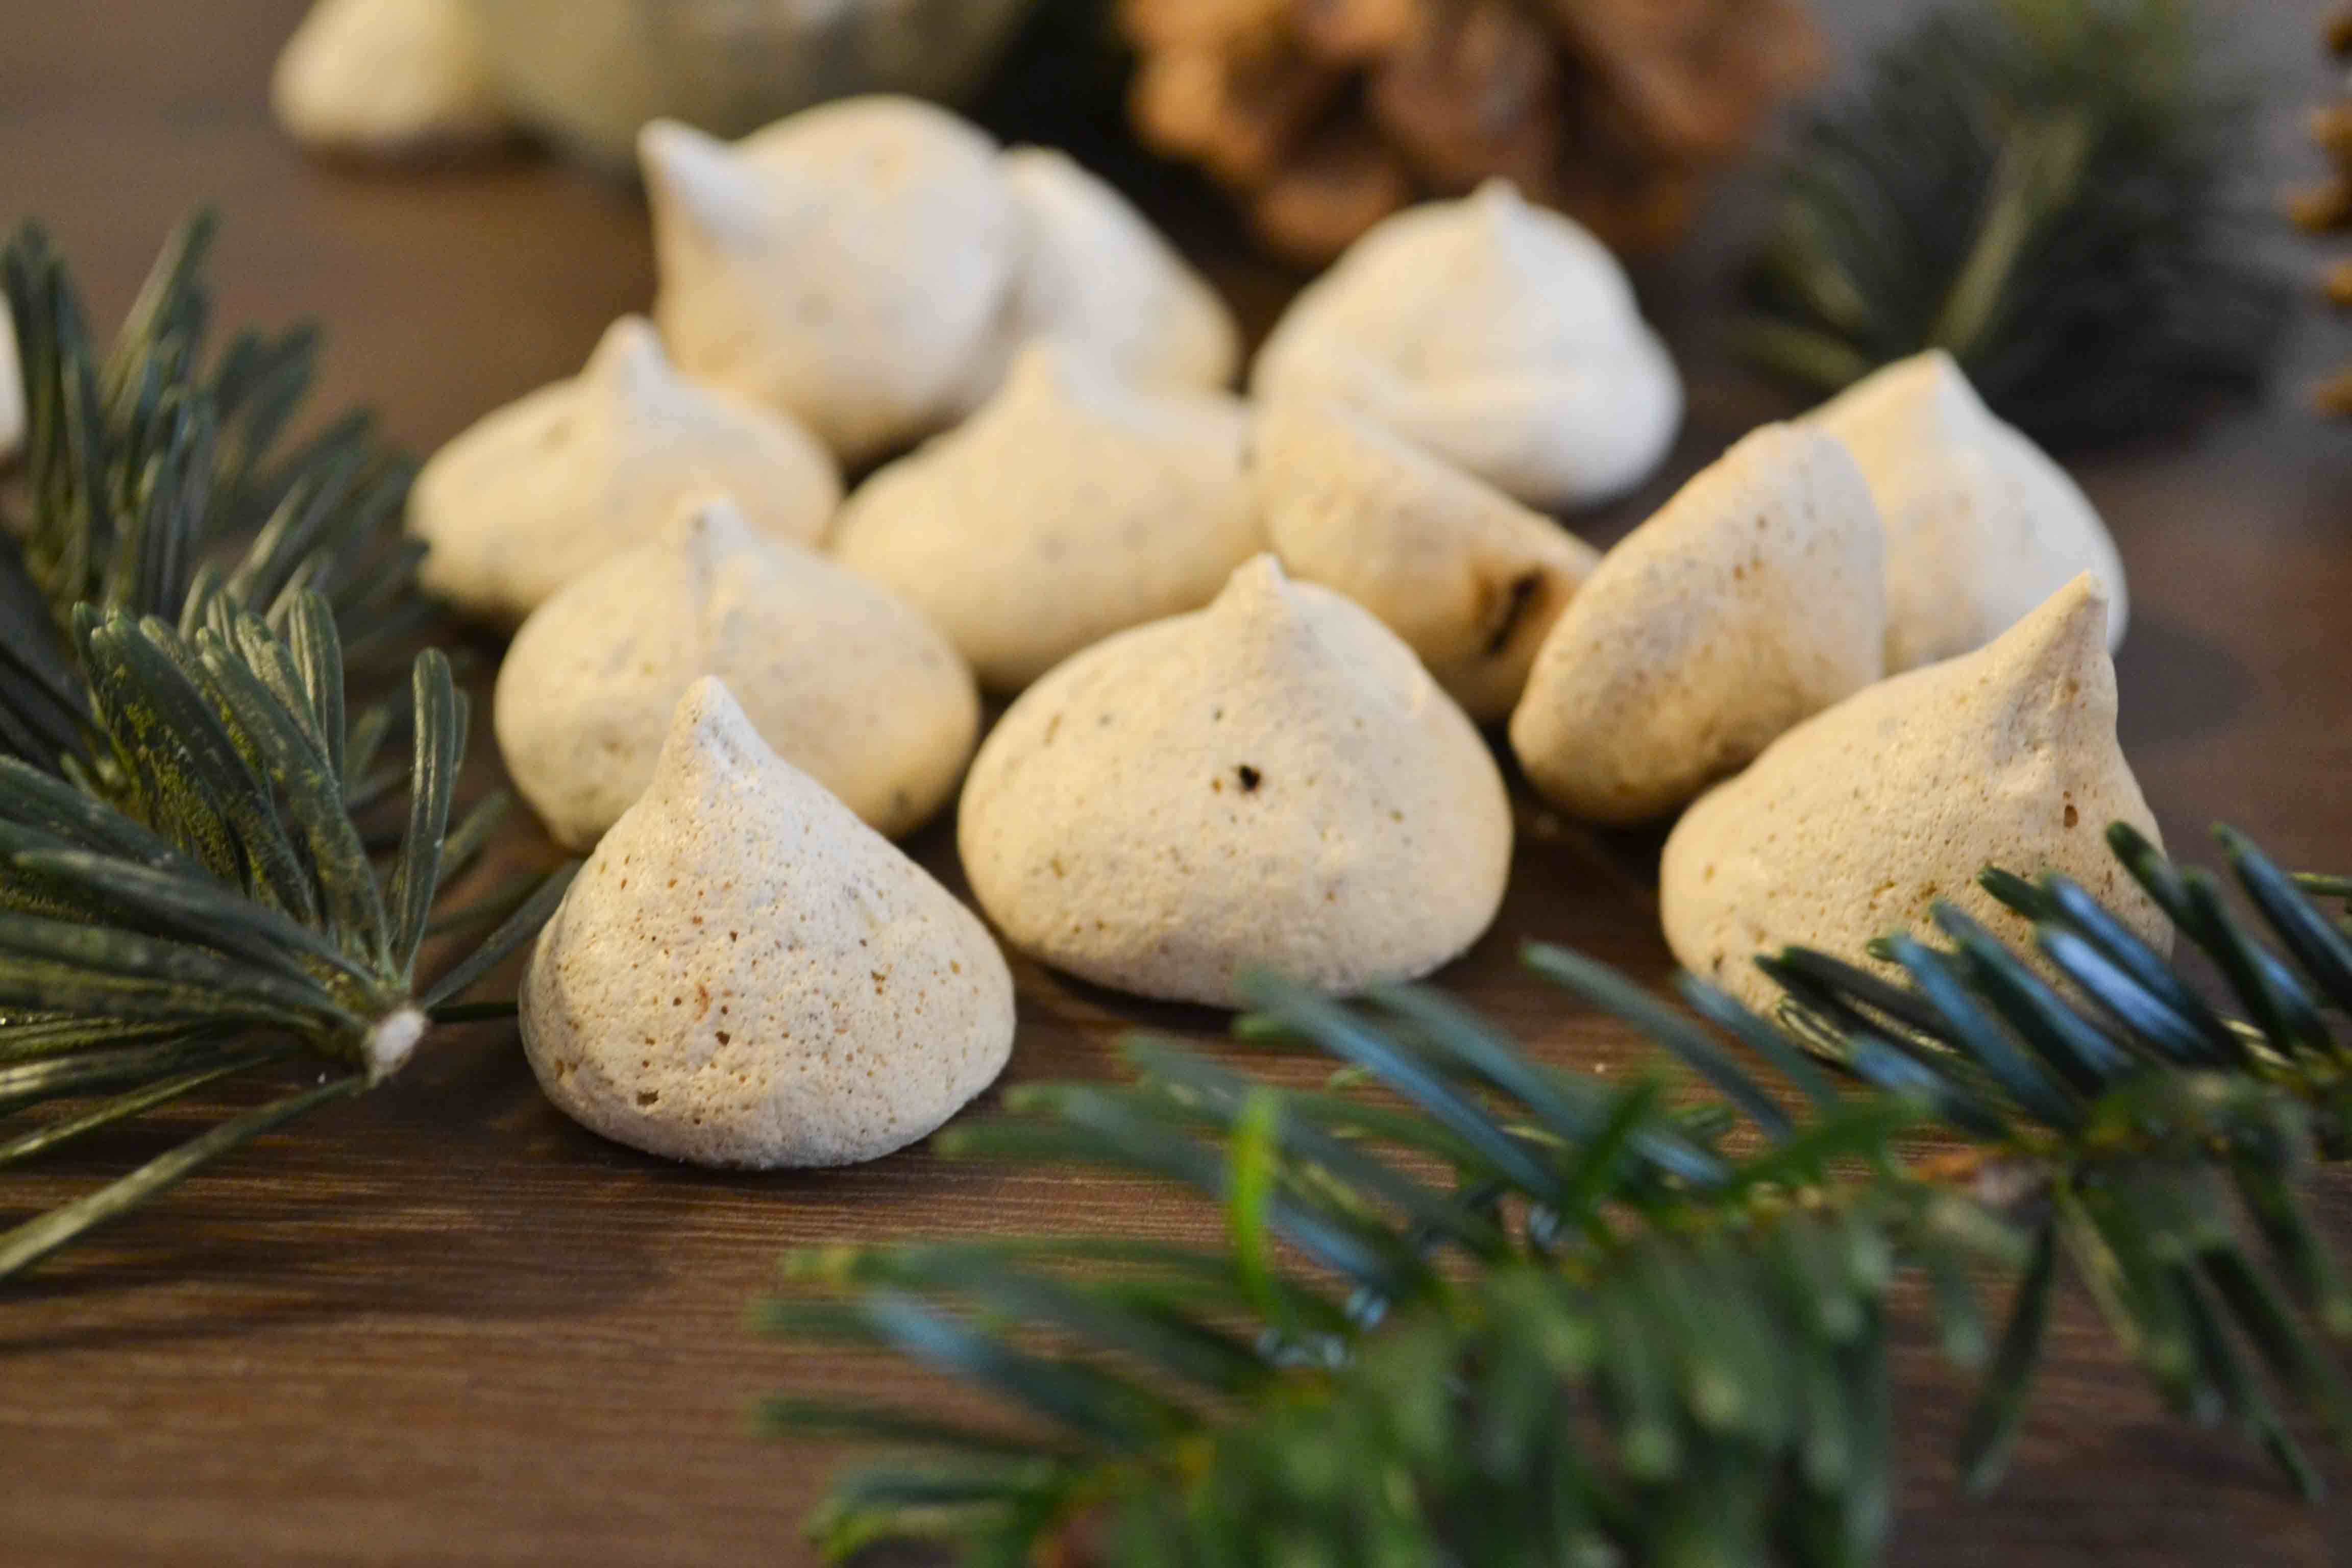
[
  {"x": 1503, "y": 336},
  {"x": 1096, "y": 277},
  {"x": 850, "y": 266},
  {"x": 591, "y": 73},
  {"x": 387, "y": 78},
  {"x": 1981, "y": 525}
]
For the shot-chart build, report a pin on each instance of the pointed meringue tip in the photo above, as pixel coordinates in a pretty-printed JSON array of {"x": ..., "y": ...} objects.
[
  {"x": 707, "y": 703},
  {"x": 2066, "y": 632},
  {"x": 1933, "y": 380},
  {"x": 1500, "y": 195},
  {"x": 663, "y": 143},
  {"x": 707, "y": 731},
  {"x": 711, "y": 527},
  {"x": 696, "y": 173},
  {"x": 1258, "y": 587},
  {"x": 2082, "y": 597},
  {"x": 1934, "y": 371},
  {"x": 628, "y": 357}
]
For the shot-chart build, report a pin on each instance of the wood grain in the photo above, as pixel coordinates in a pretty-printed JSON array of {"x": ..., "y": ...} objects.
[{"x": 443, "y": 1325}]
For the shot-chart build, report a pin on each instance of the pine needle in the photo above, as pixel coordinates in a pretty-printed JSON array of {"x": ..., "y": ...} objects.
[
  {"x": 2049, "y": 190},
  {"x": 1615, "y": 1339},
  {"x": 184, "y": 894}
]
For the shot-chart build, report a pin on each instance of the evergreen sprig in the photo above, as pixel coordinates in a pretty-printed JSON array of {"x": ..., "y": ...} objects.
[
  {"x": 157, "y": 480},
  {"x": 225, "y": 917},
  {"x": 1473, "y": 1307},
  {"x": 2049, "y": 190},
  {"x": 188, "y": 892}
]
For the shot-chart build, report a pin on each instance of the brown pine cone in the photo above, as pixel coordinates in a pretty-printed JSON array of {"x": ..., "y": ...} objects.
[
  {"x": 1327, "y": 115},
  {"x": 2328, "y": 204}
]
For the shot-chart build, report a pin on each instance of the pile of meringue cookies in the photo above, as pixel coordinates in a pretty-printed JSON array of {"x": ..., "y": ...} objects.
[{"x": 1247, "y": 645}]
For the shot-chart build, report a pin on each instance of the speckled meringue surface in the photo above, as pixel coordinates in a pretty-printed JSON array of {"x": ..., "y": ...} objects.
[
  {"x": 1070, "y": 508},
  {"x": 1503, "y": 336},
  {"x": 1855, "y": 823},
  {"x": 851, "y": 265},
  {"x": 1468, "y": 578},
  {"x": 744, "y": 975},
  {"x": 1272, "y": 783},
  {"x": 1093, "y": 275},
  {"x": 12, "y": 391},
  {"x": 539, "y": 491},
  {"x": 387, "y": 76},
  {"x": 843, "y": 679},
  {"x": 1753, "y": 600},
  {"x": 1981, "y": 525}
]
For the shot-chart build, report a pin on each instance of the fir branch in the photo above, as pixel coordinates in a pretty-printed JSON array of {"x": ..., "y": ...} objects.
[
  {"x": 1490, "y": 1311},
  {"x": 159, "y": 483},
  {"x": 186, "y": 893},
  {"x": 209, "y": 909},
  {"x": 2048, "y": 190}
]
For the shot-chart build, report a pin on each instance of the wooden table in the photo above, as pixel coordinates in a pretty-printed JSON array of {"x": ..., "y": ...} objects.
[{"x": 442, "y": 1324}]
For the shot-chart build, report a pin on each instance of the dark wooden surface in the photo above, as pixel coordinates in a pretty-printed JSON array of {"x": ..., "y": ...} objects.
[{"x": 441, "y": 1324}]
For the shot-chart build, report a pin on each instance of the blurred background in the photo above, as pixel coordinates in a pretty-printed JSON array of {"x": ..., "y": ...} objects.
[{"x": 455, "y": 277}]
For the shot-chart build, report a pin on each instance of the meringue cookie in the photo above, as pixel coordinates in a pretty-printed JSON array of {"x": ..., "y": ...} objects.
[
  {"x": 12, "y": 390},
  {"x": 1753, "y": 600},
  {"x": 1503, "y": 336},
  {"x": 1855, "y": 823},
  {"x": 744, "y": 975},
  {"x": 1981, "y": 526},
  {"x": 387, "y": 76},
  {"x": 1272, "y": 783},
  {"x": 1070, "y": 508},
  {"x": 546, "y": 487},
  {"x": 852, "y": 265},
  {"x": 845, "y": 680},
  {"x": 1094, "y": 275},
  {"x": 1468, "y": 578}
]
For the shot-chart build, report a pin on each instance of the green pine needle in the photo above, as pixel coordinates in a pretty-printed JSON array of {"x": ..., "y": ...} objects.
[
  {"x": 211, "y": 910},
  {"x": 1472, "y": 1307},
  {"x": 159, "y": 483},
  {"x": 187, "y": 891},
  {"x": 2047, "y": 189}
]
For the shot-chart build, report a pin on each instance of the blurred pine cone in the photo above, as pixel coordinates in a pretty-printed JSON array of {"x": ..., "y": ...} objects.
[
  {"x": 2328, "y": 204},
  {"x": 1327, "y": 115}
]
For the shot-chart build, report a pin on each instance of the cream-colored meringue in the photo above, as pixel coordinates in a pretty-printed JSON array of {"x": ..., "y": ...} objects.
[
  {"x": 1096, "y": 276},
  {"x": 546, "y": 487},
  {"x": 852, "y": 265},
  {"x": 387, "y": 76},
  {"x": 1856, "y": 822},
  {"x": 845, "y": 680},
  {"x": 1503, "y": 336},
  {"x": 744, "y": 975},
  {"x": 12, "y": 390},
  {"x": 1070, "y": 508},
  {"x": 1273, "y": 783},
  {"x": 1753, "y": 600},
  {"x": 1981, "y": 526},
  {"x": 1468, "y": 578}
]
